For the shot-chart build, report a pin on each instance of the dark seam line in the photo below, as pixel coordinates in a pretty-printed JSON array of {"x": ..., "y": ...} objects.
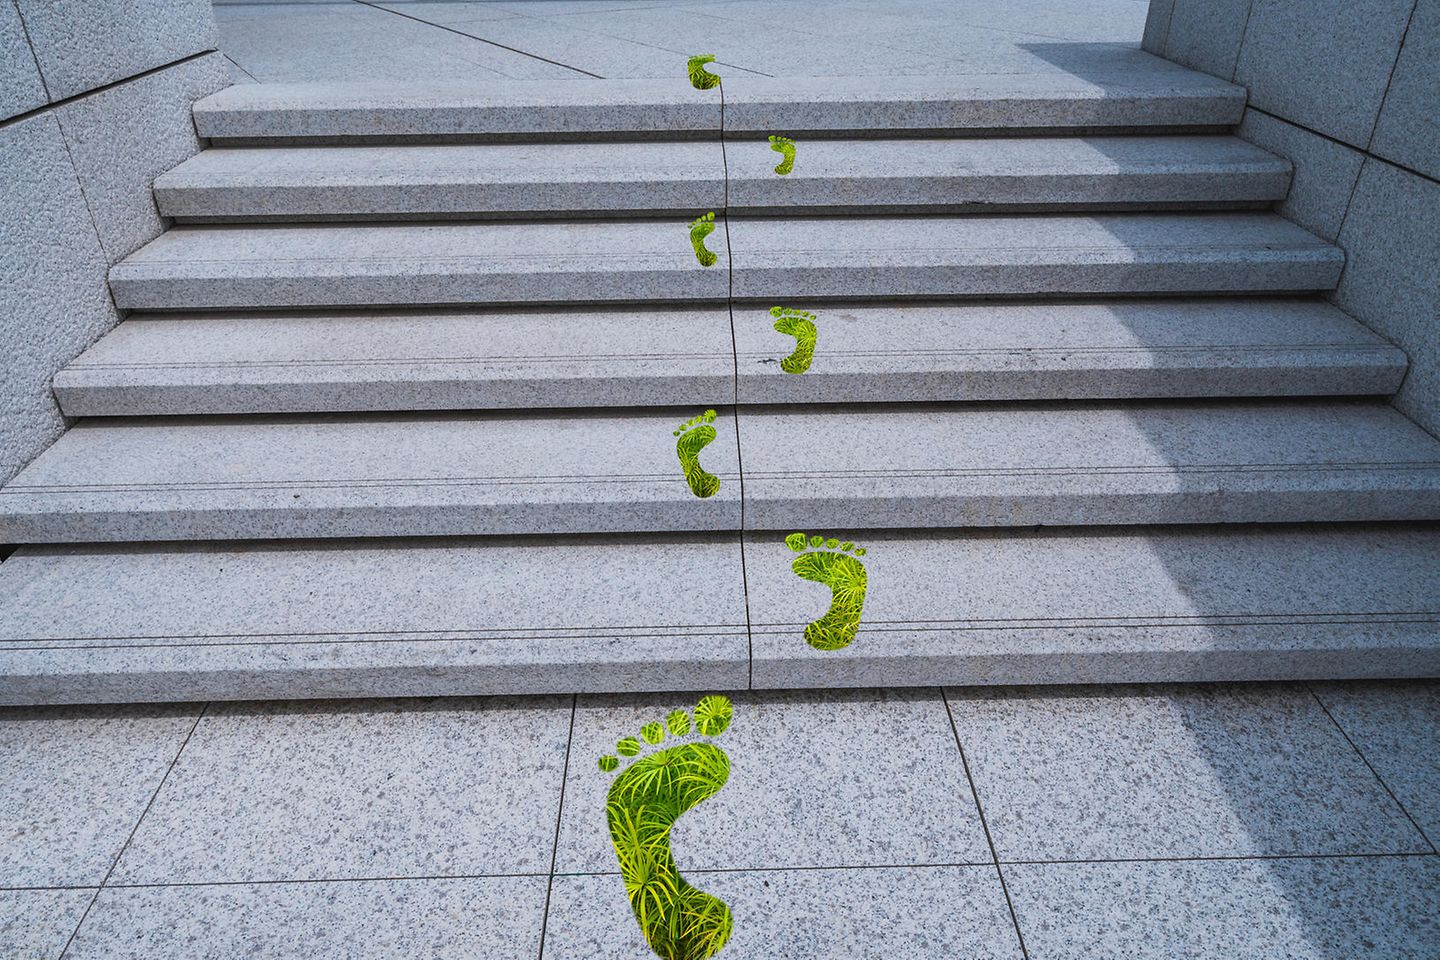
[
  {"x": 162, "y": 885},
  {"x": 1364, "y": 152},
  {"x": 1170, "y": 22},
  {"x": 1390, "y": 78},
  {"x": 1376, "y": 773},
  {"x": 847, "y": 867},
  {"x": 735, "y": 382},
  {"x": 134, "y": 830},
  {"x": 470, "y": 633},
  {"x": 65, "y": 101},
  {"x": 234, "y": 63},
  {"x": 1244, "y": 31},
  {"x": 984, "y": 824},
  {"x": 559, "y": 813},
  {"x": 30, "y": 45},
  {"x": 461, "y": 33}
]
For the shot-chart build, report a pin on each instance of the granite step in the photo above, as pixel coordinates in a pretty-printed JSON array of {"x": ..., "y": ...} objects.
[
  {"x": 971, "y": 465},
  {"x": 1103, "y": 90},
  {"x": 659, "y": 356},
  {"x": 490, "y": 616},
  {"x": 585, "y": 180},
  {"x": 409, "y": 264}
]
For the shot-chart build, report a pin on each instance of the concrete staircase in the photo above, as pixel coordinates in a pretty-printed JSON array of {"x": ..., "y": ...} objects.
[{"x": 395, "y": 410}]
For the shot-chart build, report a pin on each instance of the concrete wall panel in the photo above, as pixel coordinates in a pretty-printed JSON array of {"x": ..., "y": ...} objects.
[
  {"x": 1206, "y": 34},
  {"x": 1392, "y": 275},
  {"x": 1409, "y": 127},
  {"x": 84, "y": 44},
  {"x": 1157, "y": 26},
  {"x": 1325, "y": 171},
  {"x": 123, "y": 137},
  {"x": 53, "y": 298},
  {"x": 1323, "y": 64},
  {"x": 20, "y": 86}
]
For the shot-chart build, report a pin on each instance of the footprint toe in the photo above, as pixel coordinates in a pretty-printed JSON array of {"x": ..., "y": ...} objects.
[{"x": 712, "y": 715}]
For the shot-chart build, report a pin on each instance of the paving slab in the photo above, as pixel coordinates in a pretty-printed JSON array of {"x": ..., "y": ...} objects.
[
  {"x": 566, "y": 109},
  {"x": 331, "y": 790},
  {"x": 1011, "y": 256},
  {"x": 1050, "y": 351},
  {"x": 839, "y": 779},
  {"x": 1304, "y": 909},
  {"x": 420, "y": 181},
  {"x": 452, "y": 617},
  {"x": 926, "y": 913},
  {"x": 393, "y": 360},
  {"x": 957, "y": 175},
  {"x": 394, "y": 475},
  {"x": 1106, "y": 605},
  {"x": 404, "y": 264},
  {"x": 431, "y": 919},
  {"x": 1145, "y": 93},
  {"x": 1128, "y": 773},
  {"x": 73, "y": 785},
  {"x": 36, "y": 924},
  {"x": 1395, "y": 727},
  {"x": 858, "y": 467}
]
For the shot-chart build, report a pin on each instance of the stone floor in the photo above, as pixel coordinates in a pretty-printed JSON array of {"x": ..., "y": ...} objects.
[
  {"x": 417, "y": 40},
  {"x": 1243, "y": 821}
]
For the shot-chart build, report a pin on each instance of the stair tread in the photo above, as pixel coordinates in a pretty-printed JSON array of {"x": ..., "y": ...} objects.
[
  {"x": 870, "y": 467},
  {"x": 489, "y": 616},
  {"x": 240, "y": 267},
  {"x": 593, "y": 179},
  {"x": 377, "y": 361},
  {"x": 1100, "y": 89}
]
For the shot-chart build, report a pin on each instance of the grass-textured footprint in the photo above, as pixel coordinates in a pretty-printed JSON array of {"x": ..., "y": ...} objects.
[
  {"x": 643, "y": 804},
  {"x": 837, "y": 565}
]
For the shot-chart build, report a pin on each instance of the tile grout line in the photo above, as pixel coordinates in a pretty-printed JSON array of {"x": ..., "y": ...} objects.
[
  {"x": 461, "y": 33},
  {"x": 134, "y": 830},
  {"x": 984, "y": 824},
  {"x": 34, "y": 58},
  {"x": 103, "y": 88},
  {"x": 735, "y": 366},
  {"x": 1390, "y": 78},
  {"x": 1375, "y": 773},
  {"x": 559, "y": 813}
]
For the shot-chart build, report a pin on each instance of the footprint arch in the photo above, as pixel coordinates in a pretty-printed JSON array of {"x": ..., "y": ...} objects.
[
  {"x": 679, "y": 921},
  {"x": 837, "y": 565}
]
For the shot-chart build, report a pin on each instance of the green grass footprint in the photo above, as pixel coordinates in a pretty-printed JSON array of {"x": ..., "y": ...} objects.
[
  {"x": 835, "y": 566},
  {"x": 679, "y": 921},
  {"x": 699, "y": 79},
  {"x": 694, "y": 435},
  {"x": 800, "y": 325},
  {"x": 700, "y": 228},
  {"x": 786, "y": 148}
]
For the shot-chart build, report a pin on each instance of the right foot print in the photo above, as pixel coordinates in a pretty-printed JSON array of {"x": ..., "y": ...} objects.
[
  {"x": 699, "y": 79},
  {"x": 801, "y": 326},
  {"x": 694, "y": 434},
  {"x": 679, "y": 921},
  {"x": 832, "y": 563},
  {"x": 786, "y": 148},
  {"x": 700, "y": 228}
]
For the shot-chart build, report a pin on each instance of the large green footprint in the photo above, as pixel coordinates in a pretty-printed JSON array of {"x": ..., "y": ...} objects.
[
  {"x": 835, "y": 567},
  {"x": 700, "y": 228},
  {"x": 801, "y": 326},
  {"x": 786, "y": 148},
  {"x": 699, "y": 79},
  {"x": 694, "y": 435},
  {"x": 679, "y": 921}
]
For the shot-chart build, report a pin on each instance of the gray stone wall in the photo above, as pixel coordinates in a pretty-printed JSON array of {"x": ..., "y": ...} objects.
[
  {"x": 1349, "y": 91},
  {"x": 94, "y": 103}
]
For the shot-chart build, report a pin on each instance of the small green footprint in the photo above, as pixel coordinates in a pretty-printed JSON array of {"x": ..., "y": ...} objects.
[
  {"x": 800, "y": 325},
  {"x": 699, "y": 79},
  {"x": 700, "y": 228},
  {"x": 844, "y": 575},
  {"x": 694, "y": 434},
  {"x": 679, "y": 921},
  {"x": 786, "y": 148}
]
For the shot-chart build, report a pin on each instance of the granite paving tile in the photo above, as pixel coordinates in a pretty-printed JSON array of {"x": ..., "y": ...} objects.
[{"x": 36, "y": 924}]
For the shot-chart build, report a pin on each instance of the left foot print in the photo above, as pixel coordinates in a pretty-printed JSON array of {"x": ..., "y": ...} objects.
[
  {"x": 694, "y": 434},
  {"x": 801, "y": 326},
  {"x": 700, "y": 228},
  {"x": 836, "y": 567},
  {"x": 786, "y": 148}
]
